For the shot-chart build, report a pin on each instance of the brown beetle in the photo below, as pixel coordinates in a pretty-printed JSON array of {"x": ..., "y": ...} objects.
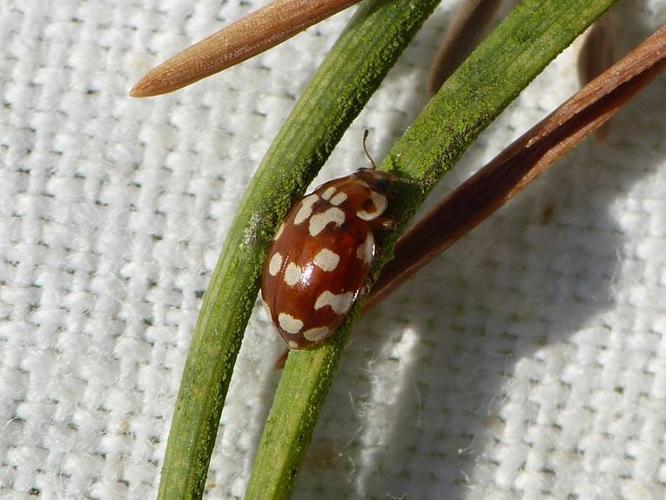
[{"x": 319, "y": 261}]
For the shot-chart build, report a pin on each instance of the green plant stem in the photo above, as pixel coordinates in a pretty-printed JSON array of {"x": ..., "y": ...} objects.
[
  {"x": 516, "y": 52},
  {"x": 376, "y": 36}
]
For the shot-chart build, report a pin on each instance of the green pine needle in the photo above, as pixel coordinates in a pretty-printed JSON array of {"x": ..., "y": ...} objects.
[{"x": 490, "y": 79}]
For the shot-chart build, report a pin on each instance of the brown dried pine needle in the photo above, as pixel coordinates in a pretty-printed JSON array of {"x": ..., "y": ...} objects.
[
  {"x": 522, "y": 162},
  {"x": 596, "y": 56},
  {"x": 471, "y": 24},
  {"x": 249, "y": 36}
]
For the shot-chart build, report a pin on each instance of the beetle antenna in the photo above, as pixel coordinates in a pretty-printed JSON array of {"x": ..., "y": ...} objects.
[{"x": 365, "y": 148}]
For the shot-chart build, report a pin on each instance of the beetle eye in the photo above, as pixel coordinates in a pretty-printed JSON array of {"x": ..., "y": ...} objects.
[{"x": 382, "y": 185}]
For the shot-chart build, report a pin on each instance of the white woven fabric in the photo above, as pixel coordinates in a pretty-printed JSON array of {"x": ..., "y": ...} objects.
[{"x": 529, "y": 361}]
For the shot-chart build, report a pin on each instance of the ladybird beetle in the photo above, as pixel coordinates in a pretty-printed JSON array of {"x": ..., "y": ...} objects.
[{"x": 318, "y": 263}]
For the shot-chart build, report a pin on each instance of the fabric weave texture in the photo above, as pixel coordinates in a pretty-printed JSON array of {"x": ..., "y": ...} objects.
[{"x": 529, "y": 361}]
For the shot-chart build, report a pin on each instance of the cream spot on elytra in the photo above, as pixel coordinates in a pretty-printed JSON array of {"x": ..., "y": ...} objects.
[
  {"x": 326, "y": 259},
  {"x": 379, "y": 205},
  {"x": 319, "y": 221},
  {"x": 366, "y": 250},
  {"x": 339, "y": 199},
  {"x": 316, "y": 334},
  {"x": 293, "y": 344},
  {"x": 292, "y": 274},
  {"x": 340, "y": 303},
  {"x": 275, "y": 264},
  {"x": 306, "y": 208},
  {"x": 328, "y": 193},
  {"x": 279, "y": 231},
  {"x": 289, "y": 324}
]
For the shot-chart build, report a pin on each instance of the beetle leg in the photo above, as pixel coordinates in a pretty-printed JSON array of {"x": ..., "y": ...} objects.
[{"x": 282, "y": 360}]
